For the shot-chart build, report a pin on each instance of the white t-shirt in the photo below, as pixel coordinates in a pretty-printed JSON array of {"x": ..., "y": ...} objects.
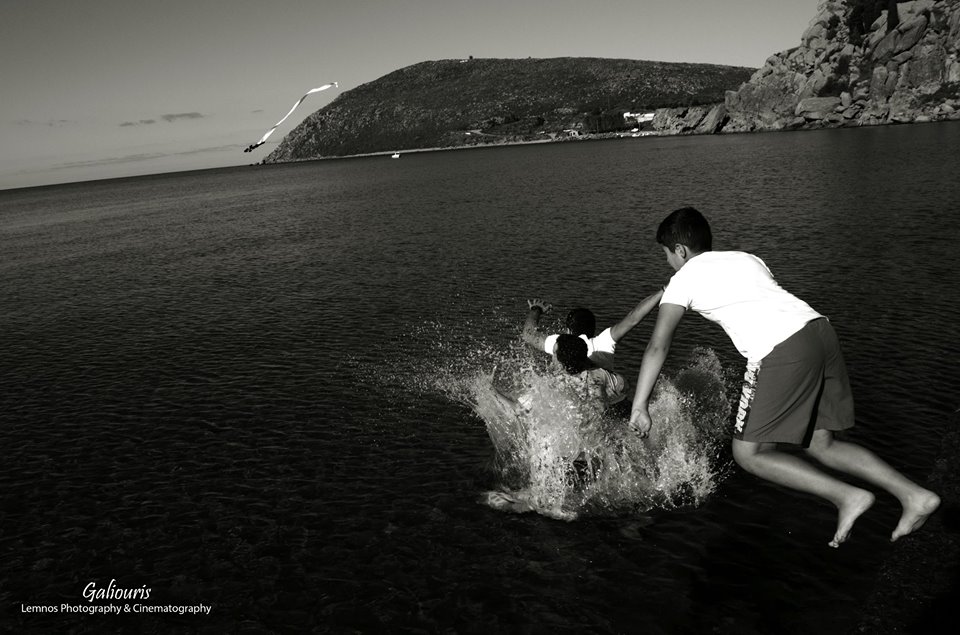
[
  {"x": 737, "y": 291},
  {"x": 600, "y": 349}
]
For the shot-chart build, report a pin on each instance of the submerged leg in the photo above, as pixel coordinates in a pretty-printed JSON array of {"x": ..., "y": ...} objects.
[
  {"x": 918, "y": 503},
  {"x": 765, "y": 461}
]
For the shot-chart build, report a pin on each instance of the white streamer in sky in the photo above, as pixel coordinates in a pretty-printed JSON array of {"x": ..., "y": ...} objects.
[{"x": 270, "y": 131}]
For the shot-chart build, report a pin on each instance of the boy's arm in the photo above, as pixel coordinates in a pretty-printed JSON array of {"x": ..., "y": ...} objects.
[
  {"x": 633, "y": 318},
  {"x": 653, "y": 358},
  {"x": 531, "y": 334}
]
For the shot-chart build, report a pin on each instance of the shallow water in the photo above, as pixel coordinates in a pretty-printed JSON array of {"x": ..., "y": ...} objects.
[{"x": 224, "y": 384}]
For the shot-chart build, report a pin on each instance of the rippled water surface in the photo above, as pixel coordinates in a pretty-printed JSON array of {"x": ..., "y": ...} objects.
[{"x": 228, "y": 385}]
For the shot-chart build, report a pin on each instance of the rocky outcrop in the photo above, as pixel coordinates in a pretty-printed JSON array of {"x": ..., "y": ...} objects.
[
  {"x": 693, "y": 120},
  {"x": 909, "y": 73},
  {"x": 835, "y": 78}
]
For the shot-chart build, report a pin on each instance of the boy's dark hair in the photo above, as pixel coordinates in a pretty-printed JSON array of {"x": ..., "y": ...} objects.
[
  {"x": 685, "y": 226},
  {"x": 582, "y": 322},
  {"x": 572, "y": 353}
]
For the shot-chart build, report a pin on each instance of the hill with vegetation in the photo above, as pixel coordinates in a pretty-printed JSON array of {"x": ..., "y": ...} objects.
[{"x": 450, "y": 103}]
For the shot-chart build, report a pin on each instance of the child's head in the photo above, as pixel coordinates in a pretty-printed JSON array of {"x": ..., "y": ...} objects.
[
  {"x": 571, "y": 352},
  {"x": 684, "y": 234},
  {"x": 685, "y": 226},
  {"x": 581, "y": 322}
]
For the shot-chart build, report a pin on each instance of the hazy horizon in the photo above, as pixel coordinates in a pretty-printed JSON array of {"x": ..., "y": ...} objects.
[{"x": 111, "y": 88}]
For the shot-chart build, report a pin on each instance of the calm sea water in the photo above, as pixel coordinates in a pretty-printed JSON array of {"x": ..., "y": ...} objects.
[{"x": 222, "y": 384}]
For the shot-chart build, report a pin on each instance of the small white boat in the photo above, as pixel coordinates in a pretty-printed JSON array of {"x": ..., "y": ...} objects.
[{"x": 395, "y": 155}]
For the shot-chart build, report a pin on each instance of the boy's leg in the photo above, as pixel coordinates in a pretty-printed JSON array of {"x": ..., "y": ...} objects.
[
  {"x": 836, "y": 412},
  {"x": 765, "y": 461},
  {"x": 918, "y": 503},
  {"x": 779, "y": 397}
]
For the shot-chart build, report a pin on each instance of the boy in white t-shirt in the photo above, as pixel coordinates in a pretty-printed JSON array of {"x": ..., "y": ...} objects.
[
  {"x": 581, "y": 322},
  {"x": 795, "y": 388}
]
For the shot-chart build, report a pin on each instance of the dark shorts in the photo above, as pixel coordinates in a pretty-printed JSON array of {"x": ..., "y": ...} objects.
[{"x": 799, "y": 387}]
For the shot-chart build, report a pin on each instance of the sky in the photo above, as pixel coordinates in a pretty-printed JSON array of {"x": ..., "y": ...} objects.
[{"x": 96, "y": 89}]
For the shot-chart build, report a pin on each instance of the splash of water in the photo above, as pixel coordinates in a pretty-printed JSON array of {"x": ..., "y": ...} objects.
[
  {"x": 562, "y": 459},
  {"x": 559, "y": 458}
]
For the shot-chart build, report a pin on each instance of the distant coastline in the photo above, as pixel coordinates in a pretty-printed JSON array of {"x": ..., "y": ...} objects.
[
  {"x": 855, "y": 66},
  {"x": 476, "y": 146},
  {"x": 582, "y": 138},
  {"x": 454, "y": 103}
]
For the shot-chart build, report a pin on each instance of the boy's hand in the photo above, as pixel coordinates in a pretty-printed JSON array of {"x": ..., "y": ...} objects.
[
  {"x": 537, "y": 303},
  {"x": 640, "y": 421}
]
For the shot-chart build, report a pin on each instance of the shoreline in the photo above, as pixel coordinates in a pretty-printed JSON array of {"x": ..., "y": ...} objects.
[
  {"x": 388, "y": 153},
  {"x": 604, "y": 136}
]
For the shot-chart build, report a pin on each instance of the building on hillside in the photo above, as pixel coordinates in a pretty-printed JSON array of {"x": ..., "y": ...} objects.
[{"x": 638, "y": 117}]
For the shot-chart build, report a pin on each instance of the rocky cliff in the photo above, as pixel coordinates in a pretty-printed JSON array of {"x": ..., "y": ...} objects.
[
  {"x": 451, "y": 103},
  {"x": 854, "y": 67}
]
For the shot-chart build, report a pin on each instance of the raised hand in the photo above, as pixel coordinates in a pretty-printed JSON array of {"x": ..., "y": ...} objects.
[{"x": 539, "y": 304}]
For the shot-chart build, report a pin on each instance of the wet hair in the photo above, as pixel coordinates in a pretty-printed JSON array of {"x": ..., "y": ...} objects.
[
  {"x": 685, "y": 226},
  {"x": 582, "y": 322},
  {"x": 571, "y": 352}
]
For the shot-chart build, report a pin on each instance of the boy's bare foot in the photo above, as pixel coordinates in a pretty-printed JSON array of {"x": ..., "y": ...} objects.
[
  {"x": 915, "y": 512},
  {"x": 859, "y": 502}
]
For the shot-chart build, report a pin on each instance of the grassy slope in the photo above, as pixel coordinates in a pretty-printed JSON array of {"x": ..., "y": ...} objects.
[{"x": 435, "y": 103}]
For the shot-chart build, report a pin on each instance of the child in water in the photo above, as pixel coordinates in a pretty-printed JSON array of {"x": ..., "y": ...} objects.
[
  {"x": 595, "y": 388},
  {"x": 555, "y": 426},
  {"x": 582, "y": 323},
  {"x": 795, "y": 390}
]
